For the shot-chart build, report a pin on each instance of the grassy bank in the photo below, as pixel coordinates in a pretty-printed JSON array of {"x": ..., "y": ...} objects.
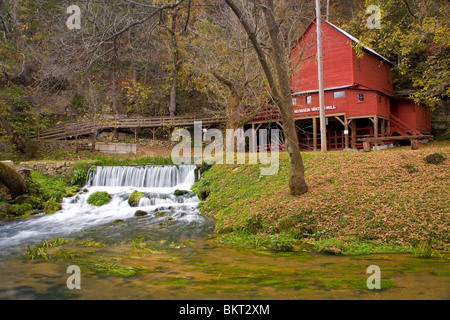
[{"x": 383, "y": 201}]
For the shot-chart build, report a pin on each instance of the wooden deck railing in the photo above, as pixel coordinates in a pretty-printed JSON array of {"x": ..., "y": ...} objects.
[{"x": 80, "y": 128}]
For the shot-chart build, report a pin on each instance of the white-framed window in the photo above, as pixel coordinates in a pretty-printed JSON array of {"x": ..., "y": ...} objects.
[
  {"x": 294, "y": 101},
  {"x": 361, "y": 97},
  {"x": 339, "y": 94},
  {"x": 308, "y": 99}
]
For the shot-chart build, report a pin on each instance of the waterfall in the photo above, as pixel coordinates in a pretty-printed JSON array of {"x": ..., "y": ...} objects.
[
  {"x": 160, "y": 202},
  {"x": 141, "y": 176}
]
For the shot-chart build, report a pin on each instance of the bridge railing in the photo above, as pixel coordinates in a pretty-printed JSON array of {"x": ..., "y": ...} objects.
[{"x": 84, "y": 127}]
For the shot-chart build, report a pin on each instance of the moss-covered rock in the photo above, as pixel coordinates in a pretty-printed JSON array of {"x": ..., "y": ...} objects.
[
  {"x": 434, "y": 158},
  {"x": 51, "y": 207},
  {"x": 134, "y": 198},
  {"x": 140, "y": 213},
  {"x": 11, "y": 211},
  {"x": 5, "y": 208},
  {"x": 23, "y": 199},
  {"x": 180, "y": 192},
  {"x": 72, "y": 191},
  {"x": 13, "y": 181},
  {"x": 99, "y": 198}
]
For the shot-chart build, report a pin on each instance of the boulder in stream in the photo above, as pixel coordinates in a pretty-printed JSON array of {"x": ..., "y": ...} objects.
[
  {"x": 140, "y": 213},
  {"x": 134, "y": 198}
]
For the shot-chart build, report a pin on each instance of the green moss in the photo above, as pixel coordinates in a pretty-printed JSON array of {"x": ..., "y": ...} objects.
[
  {"x": 20, "y": 209},
  {"x": 39, "y": 250},
  {"x": 78, "y": 178},
  {"x": 282, "y": 242},
  {"x": 71, "y": 191},
  {"x": 110, "y": 268},
  {"x": 134, "y": 198},
  {"x": 116, "y": 160},
  {"x": 270, "y": 282},
  {"x": 180, "y": 192},
  {"x": 355, "y": 247},
  {"x": 203, "y": 193},
  {"x": 99, "y": 198},
  {"x": 52, "y": 207}
]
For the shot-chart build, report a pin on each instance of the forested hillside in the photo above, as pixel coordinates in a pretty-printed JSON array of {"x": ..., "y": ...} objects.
[{"x": 148, "y": 58}]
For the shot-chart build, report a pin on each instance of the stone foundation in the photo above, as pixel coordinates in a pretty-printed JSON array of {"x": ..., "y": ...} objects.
[{"x": 51, "y": 168}]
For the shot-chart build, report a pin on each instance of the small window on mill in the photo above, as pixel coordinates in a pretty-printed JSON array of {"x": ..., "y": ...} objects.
[
  {"x": 339, "y": 94},
  {"x": 360, "y": 97}
]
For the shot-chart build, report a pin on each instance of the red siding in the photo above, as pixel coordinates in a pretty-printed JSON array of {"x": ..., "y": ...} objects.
[
  {"x": 367, "y": 108},
  {"x": 416, "y": 116},
  {"x": 337, "y": 60},
  {"x": 333, "y": 105},
  {"x": 384, "y": 105},
  {"x": 371, "y": 75},
  {"x": 372, "y": 72},
  {"x": 348, "y": 104}
]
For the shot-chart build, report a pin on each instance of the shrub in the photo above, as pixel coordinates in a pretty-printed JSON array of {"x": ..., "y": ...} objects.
[
  {"x": 99, "y": 198},
  {"x": 20, "y": 209},
  {"x": 51, "y": 207},
  {"x": 79, "y": 177},
  {"x": 281, "y": 242}
]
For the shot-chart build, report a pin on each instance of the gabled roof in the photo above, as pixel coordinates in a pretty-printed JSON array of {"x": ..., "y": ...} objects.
[{"x": 348, "y": 35}]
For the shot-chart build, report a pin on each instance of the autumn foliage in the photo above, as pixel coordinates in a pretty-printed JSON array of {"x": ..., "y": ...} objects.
[{"x": 390, "y": 197}]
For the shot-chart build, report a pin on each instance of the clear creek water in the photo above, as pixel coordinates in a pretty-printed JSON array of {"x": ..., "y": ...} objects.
[{"x": 170, "y": 253}]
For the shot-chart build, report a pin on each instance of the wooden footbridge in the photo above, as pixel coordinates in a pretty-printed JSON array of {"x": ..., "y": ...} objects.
[{"x": 91, "y": 127}]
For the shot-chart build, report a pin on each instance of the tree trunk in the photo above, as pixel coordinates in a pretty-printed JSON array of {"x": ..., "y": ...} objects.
[
  {"x": 12, "y": 180},
  {"x": 173, "y": 92},
  {"x": 280, "y": 89},
  {"x": 176, "y": 66},
  {"x": 297, "y": 183},
  {"x": 14, "y": 137}
]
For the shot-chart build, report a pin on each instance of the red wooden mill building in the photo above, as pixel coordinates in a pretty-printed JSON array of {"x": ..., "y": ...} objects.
[{"x": 359, "y": 101}]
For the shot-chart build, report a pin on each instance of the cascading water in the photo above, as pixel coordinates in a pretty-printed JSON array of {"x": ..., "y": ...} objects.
[
  {"x": 157, "y": 183},
  {"x": 142, "y": 176}
]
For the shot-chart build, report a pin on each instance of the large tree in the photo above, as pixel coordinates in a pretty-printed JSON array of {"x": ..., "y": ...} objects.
[
  {"x": 415, "y": 36},
  {"x": 277, "y": 72},
  {"x": 225, "y": 67}
]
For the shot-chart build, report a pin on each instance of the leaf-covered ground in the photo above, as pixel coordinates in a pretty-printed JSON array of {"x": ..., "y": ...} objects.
[{"x": 388, "y": 198}]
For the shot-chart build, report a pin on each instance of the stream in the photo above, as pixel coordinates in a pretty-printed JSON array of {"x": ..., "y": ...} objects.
[{"x": 170, "y": 252}]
